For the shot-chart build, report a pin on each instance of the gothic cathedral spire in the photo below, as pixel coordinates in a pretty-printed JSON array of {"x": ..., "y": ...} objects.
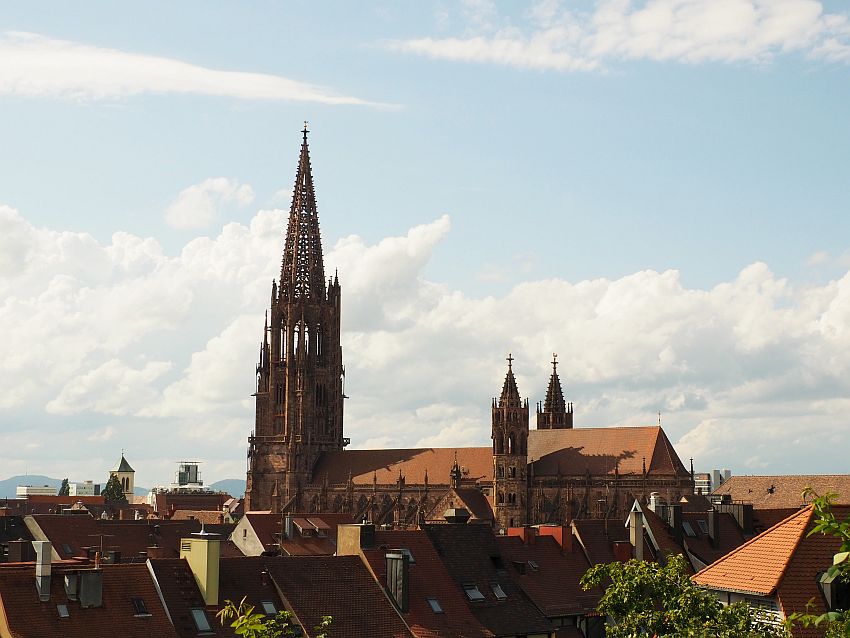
[
  {"x": 299, "y": 398},
  {"x": 510, "y": 456},
  {"x": 554, "y": 413}
]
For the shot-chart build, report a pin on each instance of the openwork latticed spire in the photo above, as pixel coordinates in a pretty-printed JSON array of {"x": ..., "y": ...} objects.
[
  {"x": 302, "y": 274},
  {"x": 510, "y": 393},
  {"x": 554, "y": 394}
]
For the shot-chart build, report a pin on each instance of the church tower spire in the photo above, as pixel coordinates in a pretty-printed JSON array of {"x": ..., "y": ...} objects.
[
  {"x": 554, "y": 413},
  {"x": 510, "y": 456},
  {"x": 299, "y": 400}
]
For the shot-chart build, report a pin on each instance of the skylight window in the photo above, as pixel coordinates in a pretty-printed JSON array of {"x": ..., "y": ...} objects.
[
  {"x": 689, "y": 531},
  {"x": 533, "y": 564},
  {"x": 498, "y": 592},
  {"x": 703, "y": 526},
  {"x": 200, "y": 619},
  {"x": 473, "y": 593},
  {"x": 63, "y": 611},
  {"x": 435, "y": 605},
  {"x": 67, "y": 548},
  {"x": 269, "y": 608},
  {"x": 140, "y": 607}
]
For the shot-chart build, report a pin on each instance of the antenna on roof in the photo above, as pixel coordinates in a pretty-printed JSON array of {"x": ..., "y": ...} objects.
[{"x": 659, "y": 418}]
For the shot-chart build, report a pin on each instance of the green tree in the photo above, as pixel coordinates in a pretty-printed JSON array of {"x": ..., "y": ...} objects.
[
  {"x": 112, "y": 491},
  {"x": 649, "y": 599},
  {"x": 836, "y": 623},
  {"x": 246, "y": 623},
  {"x": 65, "y": 488}
]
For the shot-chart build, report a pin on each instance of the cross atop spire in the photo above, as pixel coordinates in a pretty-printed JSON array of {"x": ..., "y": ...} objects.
[
  {"x": 302, "y": 273},
  {"x": 554, "y": 363},
  {"x": 510, "y": 360}
]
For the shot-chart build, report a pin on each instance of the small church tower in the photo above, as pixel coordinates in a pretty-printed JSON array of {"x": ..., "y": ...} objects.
[
  {"x": 554, "y": 413},
  {"x": 126, "y": 476},
  {"x": 510, "y": 440},
  {"x": 299, "y": 374}
]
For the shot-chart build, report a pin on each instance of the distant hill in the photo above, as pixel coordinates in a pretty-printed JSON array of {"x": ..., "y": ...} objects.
[
  {"x": 9, "y": 486},
  {"x": 234, "y": 487}
]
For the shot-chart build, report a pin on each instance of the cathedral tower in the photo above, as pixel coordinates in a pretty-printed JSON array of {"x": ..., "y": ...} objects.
[
  {"x": 510, "y": 456},
  {"x": 554, "y": 413},
  {"x": 299, "y": 395}
]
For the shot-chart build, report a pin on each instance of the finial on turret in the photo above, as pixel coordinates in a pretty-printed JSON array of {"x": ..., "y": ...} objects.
[
  {"x": 305, "y": 130},
  {"x": 510, "y": 361},
  {"x": 554, "y": 363}
]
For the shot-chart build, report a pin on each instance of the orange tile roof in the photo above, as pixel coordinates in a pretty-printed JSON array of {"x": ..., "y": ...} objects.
[
  {"x": 208, "y": 517},
  {"x": 413, "y": 463},
  {"x": 757, "y": 566},
  {"x": 601, "y": 450},
  {"x": 777, "y": 492}
]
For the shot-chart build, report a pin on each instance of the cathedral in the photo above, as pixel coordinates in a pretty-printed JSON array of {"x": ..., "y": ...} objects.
[{"x": 297, "y": 461}]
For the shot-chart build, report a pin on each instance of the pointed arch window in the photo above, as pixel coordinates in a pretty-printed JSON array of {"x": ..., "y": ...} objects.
[{"x": 512, "y": 443}]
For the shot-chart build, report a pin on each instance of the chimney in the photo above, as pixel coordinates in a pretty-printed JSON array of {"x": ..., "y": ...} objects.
[
  {"x": 352, "y": 538},
  {"x": 636, "y": 533},
  {"x": 43, "y": 555},
  {"x": 398, "y": 577},
  {"x": 202, "y": 551},
  {"x": 676, "y": 523},
  {"x": 91, "y": 587},
  {"x": 287, "y": 526},
  {"x": 456, "y": 516},
  {"x": 713, "y": 521}
]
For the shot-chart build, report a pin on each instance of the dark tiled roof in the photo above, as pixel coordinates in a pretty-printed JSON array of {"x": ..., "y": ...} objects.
[
  {"x": 470, "y": 498},
  {"x": 129, "y": 537},
  {"x": 341, "y": 587},
  {"x": 597, "y": 537},
  {"x": 428, "y": 578},
  {"x": 268, "y": 526},
  {"x": 601, "y": 450},
  {"x": 554, "y": 584},
  {"x": 364, "y": 464},
  {"x": 28, "y": 617},
  {"x": 471, "y": 556},
  {"x": 180, "y": 592},
  {"x": 778, "y": 492}
]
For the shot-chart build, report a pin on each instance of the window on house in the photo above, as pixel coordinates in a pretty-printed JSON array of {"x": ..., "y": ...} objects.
[
  {"x": 689, "y": 531},
  {"x": 473, "y": 593},
  {"x": 63, "y": 611},
  {"x": 140, "y": 607},
  {"x": 703, "y": 526},
  {"x": 498, "y": 592},
  {"x": 533, "y": 564},
  {"x": 244, "y": 533},
  {"x": 269, "y": 608},
  {"x": 199, "y": 617},
  {"x": 435, "y": 605},
  {"x": 67, "y": 548}
]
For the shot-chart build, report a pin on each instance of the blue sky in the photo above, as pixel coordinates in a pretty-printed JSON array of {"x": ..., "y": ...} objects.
[{"x": 588, "y": 145}]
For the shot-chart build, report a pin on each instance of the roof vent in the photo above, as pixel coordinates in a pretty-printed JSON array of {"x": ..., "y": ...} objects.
[{"x": 456, "y": 516}]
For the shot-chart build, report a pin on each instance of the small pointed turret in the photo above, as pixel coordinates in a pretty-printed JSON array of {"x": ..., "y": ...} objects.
[{"x": 554, "y": 413}]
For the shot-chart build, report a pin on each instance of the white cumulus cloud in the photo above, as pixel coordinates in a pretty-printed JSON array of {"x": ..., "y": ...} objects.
[{"x": 199, "y": 205}]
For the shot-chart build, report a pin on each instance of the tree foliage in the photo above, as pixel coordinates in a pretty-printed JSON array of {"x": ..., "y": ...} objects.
[
  {"x": 112, "y": 491},
  {"x": 65, "y": 488},
  {"x": 245, "y": 622},
  {"x": 649, "y": 599},
  {"x": 835, "y": 623}
]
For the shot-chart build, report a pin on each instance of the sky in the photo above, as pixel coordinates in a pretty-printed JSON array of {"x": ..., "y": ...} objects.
[{"x": 656, "y": 190}]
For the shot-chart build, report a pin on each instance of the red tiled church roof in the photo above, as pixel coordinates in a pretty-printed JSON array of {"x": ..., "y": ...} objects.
[{"x": 601, "y": 450}]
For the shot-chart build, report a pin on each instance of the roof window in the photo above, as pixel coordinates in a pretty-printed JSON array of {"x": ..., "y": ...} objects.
[
  {"x": 140, "y": 607},
  {"x": 703, "y": 526},
  {"x": 199, "y": 617},
  {"x": 689, "y": 531},
  {"x": 498, "y": 592},
  {"x": 533, "y": 564},
  {"x": 67, "y": 548},
  {"x": 473, "y": 593},
  {"x": 269, "y": 608},
  {"x": 435, "y": 605},
  {"x": 63, "y": 611}
]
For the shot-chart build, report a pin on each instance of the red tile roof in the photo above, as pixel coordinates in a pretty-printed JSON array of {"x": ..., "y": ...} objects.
[
  {"x": 428, "y": 578},
  {"x": 778, "y": 492},
  {"x": 208, "y": 517},
  {"x": 471, "y": 555},
  {"x": 554, "y": 585},
  {"x": 30, "y": 618},
  {"x": 338, "y": 586},
  {"x": 267, "y": 527},
  {"x": 477, "y": 463},
  {"x": 601, "y": 450}
]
